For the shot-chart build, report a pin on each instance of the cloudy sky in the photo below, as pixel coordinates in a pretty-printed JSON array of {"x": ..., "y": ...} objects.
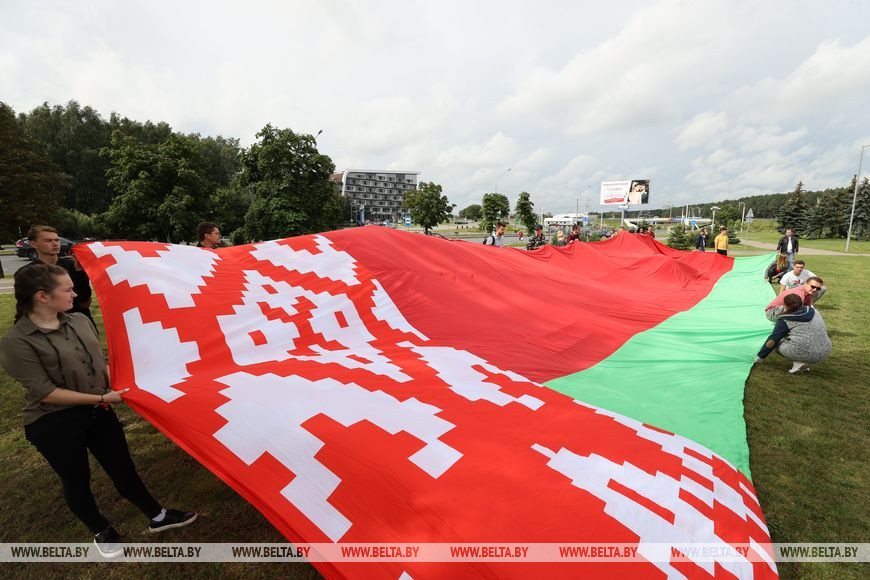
[{"x": 706, "y": 99}]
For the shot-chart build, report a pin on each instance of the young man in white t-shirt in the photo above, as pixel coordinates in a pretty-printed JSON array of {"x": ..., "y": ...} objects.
[{"x": 799, "y": 276}]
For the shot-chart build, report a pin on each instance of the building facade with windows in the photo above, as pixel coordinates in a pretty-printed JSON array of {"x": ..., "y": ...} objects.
[{"x": 376, "y": 195}]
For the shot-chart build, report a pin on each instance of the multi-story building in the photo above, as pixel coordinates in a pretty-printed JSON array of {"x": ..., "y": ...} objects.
[{"x": 376, "y": 195}]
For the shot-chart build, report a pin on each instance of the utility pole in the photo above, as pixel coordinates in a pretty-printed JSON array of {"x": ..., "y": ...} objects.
[{"x": 855, "y": 196}]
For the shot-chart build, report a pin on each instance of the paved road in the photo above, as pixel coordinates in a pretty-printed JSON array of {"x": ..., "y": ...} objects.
[{"x": 10, "y": 266}]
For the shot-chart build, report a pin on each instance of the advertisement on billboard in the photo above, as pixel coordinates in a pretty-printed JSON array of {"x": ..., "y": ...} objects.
[{"x": 626, "y": 191}]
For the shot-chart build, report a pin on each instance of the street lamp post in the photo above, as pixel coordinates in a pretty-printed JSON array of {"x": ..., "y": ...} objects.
[
  {"x": 855, "y": 196},
  {"x": 713, "y": 223},
  {"x": 742, "y": 215},
  {"x": 500, "y": 175}
]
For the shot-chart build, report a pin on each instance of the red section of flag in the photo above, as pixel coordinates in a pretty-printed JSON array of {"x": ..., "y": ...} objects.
[{"x": 545, "y": 313}]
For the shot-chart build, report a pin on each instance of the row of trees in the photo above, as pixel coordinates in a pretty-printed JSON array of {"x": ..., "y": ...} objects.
[
  {"x": 120, "y": 178},
  {"x": 429, "y": 207},
  {"x": 828, "y": 216},
  {"x": 496, "y": 207}
]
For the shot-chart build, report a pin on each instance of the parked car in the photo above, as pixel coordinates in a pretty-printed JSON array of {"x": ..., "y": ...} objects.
[{"x": 25, "y": 250}]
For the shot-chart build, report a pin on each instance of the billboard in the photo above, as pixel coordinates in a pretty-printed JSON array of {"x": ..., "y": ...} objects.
[{"x": 626, "y": 191}]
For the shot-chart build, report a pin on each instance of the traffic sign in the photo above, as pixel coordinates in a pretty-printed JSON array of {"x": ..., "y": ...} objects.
[
  {"x": 407, "y": 221},
  {"x": 749, "y": 214}
]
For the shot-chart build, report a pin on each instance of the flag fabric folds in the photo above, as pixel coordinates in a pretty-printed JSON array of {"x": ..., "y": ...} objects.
[{"x": 368, "y": 385}]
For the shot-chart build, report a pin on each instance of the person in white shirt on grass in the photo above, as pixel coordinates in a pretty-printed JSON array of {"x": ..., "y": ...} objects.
[{"x": 799, "y": 276}]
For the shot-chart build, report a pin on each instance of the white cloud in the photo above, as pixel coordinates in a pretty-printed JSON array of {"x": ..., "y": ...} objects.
[
  {"x": 831, "y": 77},
  {"x": 704, "y": 130},
  {"x": 705, "y": 99}
]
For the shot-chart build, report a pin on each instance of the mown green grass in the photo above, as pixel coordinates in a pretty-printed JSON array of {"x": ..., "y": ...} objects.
[{"x": 807, "y": 436}]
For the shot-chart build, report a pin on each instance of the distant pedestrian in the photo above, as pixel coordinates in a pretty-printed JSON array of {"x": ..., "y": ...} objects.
[
  {"x": 650, "y": 231},
  {"x": 721, "y": 241},
  {"x": 788, "y": 245},
  {"x": 520, "y": 235},
  {"x": 799, "y": 335},
  {"x": 538, "y": 240},
  {"x": 497, "y": 238},
  {"x": 701, "y": 240},
  {"x": 574, "y": 236},
  {"x": 208, "y": 235}
]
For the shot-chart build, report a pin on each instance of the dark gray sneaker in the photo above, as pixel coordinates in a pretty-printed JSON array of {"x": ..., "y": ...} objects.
[
  {"x": 172, "y": 519},
  {"x": 108, "y": 543}
]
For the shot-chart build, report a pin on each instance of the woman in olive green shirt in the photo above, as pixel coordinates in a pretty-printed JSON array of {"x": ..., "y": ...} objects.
[{"x": 58, "y": 360}]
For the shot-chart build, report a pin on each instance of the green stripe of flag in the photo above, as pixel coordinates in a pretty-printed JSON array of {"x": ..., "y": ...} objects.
[{"x": 687, "y": 374}]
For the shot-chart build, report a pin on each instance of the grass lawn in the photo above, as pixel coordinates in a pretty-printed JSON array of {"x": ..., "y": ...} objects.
[
  {"x": 808, "y": 435},
  {"x": 808, "y": 439}
]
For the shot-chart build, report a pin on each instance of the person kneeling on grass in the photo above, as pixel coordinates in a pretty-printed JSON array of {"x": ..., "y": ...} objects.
[
  {"x": 806, "y": 292},
  {"x": 58, "y": 360},
  {"x": 799, "y": 335},
  {"x": 777, "y": 269}
]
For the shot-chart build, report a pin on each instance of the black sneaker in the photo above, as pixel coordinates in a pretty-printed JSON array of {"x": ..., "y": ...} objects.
[
  {"x": 172, "y": 519},
  {"x": 108, "y": 543}
]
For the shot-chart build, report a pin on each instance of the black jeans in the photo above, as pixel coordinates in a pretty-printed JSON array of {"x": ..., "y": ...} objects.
[{"x": 64, "y": 437}]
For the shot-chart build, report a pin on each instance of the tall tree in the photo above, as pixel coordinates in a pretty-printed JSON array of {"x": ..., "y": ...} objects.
[
  {"x": 725, "y": 216},
  {"x": 495, "y": 207},
  {"x": 826, "y": 218},
  {"x": 228, "y": 206},
  {"x": 525, "y": 212},
  {"x": 288, "y": 179},
  {"x": 148, "y": 133},
  {"x": 72, "y": 137},
  {"x": 428, "y": 206},
  {"x": 861, "y": 222},
  {"x": 794, "y": 212},
  {"x": 163, "y": 188},
  {"x": 472, "y": 212},
  {"x": 30, "y": 184},
  {"x": 222, "y": 157},
  {"x": 679, "y": 238}
]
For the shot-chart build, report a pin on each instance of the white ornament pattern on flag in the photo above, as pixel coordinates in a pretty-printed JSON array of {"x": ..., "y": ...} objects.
[
  {"x": 456, "y": 368},
  {"x": 329, "y": 263},
  {"x": 265, "y": 415},
  {"x": 176, "y": 273},
  {"x": 278, "y": 335},
  {"x": 594, "y": 474},
  {"x": 159, "y": 357}
]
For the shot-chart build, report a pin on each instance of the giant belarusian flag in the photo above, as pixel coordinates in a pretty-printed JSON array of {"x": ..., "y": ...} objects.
[{"x": 372, "y": 386}]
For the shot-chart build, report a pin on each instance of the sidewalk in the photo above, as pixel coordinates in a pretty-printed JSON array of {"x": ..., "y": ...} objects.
[{"x": 803, "y": 250}]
